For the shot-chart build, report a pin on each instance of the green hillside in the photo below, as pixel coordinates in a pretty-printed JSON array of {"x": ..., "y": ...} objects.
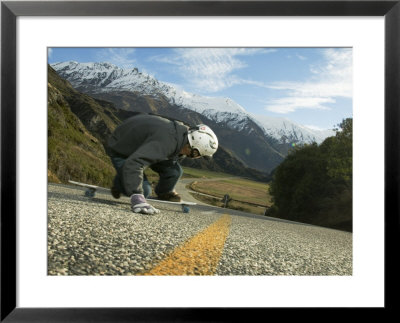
[{"x": 73, "y": 152}]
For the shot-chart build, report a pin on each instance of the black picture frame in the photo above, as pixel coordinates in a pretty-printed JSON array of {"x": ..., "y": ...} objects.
[{"x": 10, "y": 10}]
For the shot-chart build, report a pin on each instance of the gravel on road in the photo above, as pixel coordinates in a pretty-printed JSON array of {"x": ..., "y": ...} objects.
[{"x": 102, "y": 236}]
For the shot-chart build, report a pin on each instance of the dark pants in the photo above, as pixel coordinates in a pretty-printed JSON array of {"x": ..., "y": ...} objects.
[{"x": 169, "y": 171}]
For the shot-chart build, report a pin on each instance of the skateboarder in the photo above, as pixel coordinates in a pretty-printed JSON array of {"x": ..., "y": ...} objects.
[{"x": 159, "y": 143}]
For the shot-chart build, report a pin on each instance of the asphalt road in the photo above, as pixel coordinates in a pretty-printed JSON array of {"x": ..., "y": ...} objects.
[{"x": 102, "y": 236}]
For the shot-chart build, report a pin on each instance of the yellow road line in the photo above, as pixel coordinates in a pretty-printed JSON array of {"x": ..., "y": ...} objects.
[{"x": 199, "y": 255}]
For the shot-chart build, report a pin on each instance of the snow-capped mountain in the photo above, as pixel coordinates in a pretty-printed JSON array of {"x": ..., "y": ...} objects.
[
  {"x": 95, "y": 78},
  {"x": 105, "y": 77},
  {"x": 286, "y": 130}
]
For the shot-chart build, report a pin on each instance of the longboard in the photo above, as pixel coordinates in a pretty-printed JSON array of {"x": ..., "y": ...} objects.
[
  {"x": 185, "y": 204},
  {"x": 91, "y": 191}
]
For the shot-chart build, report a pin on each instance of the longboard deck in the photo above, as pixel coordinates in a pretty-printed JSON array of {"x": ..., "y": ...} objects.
[
  {"x": 91, "y": 190},
  {"x": 170, "y": 202},
  {"x": 85, "y": 185}
]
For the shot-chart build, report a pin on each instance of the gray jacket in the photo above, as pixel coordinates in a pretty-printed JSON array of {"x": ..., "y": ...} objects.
[{"x": 144, "y": 140}]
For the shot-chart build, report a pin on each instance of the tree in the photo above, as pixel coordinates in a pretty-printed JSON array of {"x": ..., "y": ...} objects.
[
  {"x": 299, "y": 181},
  {"x": 314, "y": 183},
  {"x": 340, "y": 153}
]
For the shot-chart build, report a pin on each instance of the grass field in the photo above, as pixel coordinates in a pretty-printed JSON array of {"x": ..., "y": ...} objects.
[
  {"x": 238, "y": 189},
  {"x": 189, "y": 173},
  {"x": 199, "y": 173},
  {"x": 246, "y": 195}
]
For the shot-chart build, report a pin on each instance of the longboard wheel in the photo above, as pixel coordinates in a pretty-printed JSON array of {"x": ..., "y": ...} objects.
[
  {"x": 185, "y": 209},
  {"x": 89, "y": 193}
]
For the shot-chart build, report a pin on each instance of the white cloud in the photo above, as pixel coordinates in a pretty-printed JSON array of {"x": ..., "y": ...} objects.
[
  {"x": 49, "y": 52},
  {"x": 312, "y": 127},
  {"x": 330, "y": 78},
  {"x": 210, "y": 69},
  {"x": 301, "y": 57},
  {"x": 121, "y": 57},
  {"x": 290, "y": 104},
  {"x": 322, "y": 88}
]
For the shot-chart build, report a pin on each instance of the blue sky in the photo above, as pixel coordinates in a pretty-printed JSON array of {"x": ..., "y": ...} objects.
[{"x": 310, "y": 86}]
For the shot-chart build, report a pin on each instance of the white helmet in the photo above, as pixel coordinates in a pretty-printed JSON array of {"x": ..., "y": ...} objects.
[{"x": 203, "y": 139}]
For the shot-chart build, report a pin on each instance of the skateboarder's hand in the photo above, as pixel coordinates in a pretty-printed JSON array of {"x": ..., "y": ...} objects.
[{"x": 140, "y": 205}]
